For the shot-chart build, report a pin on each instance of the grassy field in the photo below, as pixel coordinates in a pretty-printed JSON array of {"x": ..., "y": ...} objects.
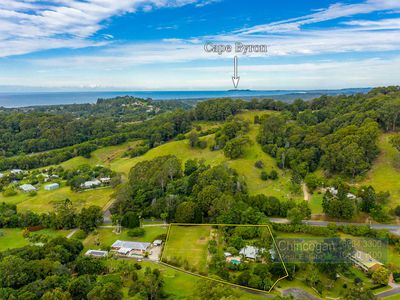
[
  {"x": 104, "y": 156},
  {"x": 106, "y": 237},
  {"x": 188, "y": 243},
  {"x": 383, "y": 175},
  {"x": 244, "y": 166},
  {"x": 44, "y": 200},
  {"x": 12, "y": 237}
]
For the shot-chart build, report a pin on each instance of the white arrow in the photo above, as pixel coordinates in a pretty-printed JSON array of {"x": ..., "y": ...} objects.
[{"x": 235, "y": 77}]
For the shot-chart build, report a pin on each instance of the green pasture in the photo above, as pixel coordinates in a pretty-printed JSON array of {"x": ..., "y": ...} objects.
[
  {"x": 44, "y": 200},
  {"x": 188, "y": 243}
]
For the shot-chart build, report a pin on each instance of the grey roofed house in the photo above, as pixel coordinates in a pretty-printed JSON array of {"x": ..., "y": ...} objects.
[
  {"x": 96, "y": 253},
  {"x": 91, "y": 183},
  {"x": 249, "y": 252},
  {"x": 27, "y": 188},
  {"x": 138, "y": 246}
]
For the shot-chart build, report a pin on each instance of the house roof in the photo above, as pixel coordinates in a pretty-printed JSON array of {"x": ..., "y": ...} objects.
[
  {"x": 27, "y": 187},
  {"x": 97, "y": 253},
  {"x": 52, "y": 185},
  {"x": 249, "y": 252},
  {"x": 365, "y": 259},
  {"x": 131, "y": 245}
]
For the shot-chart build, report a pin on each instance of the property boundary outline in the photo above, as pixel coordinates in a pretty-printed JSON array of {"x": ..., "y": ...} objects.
[{"x": 220, "y": 280}]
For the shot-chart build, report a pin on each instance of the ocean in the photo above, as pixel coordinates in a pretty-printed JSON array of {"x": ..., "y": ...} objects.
[{"x": 23, "y": 99}]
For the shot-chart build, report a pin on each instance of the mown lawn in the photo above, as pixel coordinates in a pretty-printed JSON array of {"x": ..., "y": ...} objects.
[
  {"x": 316, "y": 203},
  {"x": 44, "y": 200},
  {"x": 106, "y": 237},
  {"x": 11, "y": 238},
  {"x": 188, "y": 243},
  {"x": 384, "y": 176}
]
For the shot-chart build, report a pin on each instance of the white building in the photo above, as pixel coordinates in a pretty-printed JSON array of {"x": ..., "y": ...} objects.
[
  {"x": 51, "y": 186},
  {"x": 1, "y": 175},
  {"x": 16, "y": 171},
  {"x": 128, "y": 248},
  {"x": 96, "y": 253},
  {"x": 105, "y": 180},
  {"x": 249, "y": 252},
  {"x": 91, "y": 184},
  {"x": 27, "y": 188},
  {"x": 157, "y": 243}
]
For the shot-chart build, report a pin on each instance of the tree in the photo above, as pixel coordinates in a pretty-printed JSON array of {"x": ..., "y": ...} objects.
[
  {"x": 294, "y": 215},
  {"x": 359, "y": 293},
  {"x": 395, "y": 141},
  {"x": 234, "y": 148},
  {"x": 264, "y": 176},
  {"x": 89, "y": 265},
  {"x": 56, "y": 294},
  {"x": 193, "y": 139},
  {"x": 381, "y": 276},
  {"x": 273, "y": 175},
  {"x": 107, "y": 291},
  {"x": 13, "y": 272},
  {"x": 79, "y": 287},
  {"x": 130, "y": 220},
  {"x": 89, "y": 218},
  {"x": 186, "y": 212},
  {"x": 397, "y": 211}
]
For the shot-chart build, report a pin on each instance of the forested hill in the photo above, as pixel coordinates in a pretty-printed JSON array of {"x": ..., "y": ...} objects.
[
  {"x": 37, "y": 129},
  {"x": 304, "y": 136}
]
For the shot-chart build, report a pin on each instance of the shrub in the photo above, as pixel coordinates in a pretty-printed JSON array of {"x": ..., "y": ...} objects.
[
  {"x": 264, "y": 176},
  {"x": 273, "y": 175},
  {"x": 80, "y": 234},
  {"x": 9, "y": 191},
  {"x": 259, "y": 164},
  {"x": 136, "y": 232}
]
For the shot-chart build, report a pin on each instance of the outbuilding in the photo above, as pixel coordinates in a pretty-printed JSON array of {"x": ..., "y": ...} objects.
[
  {"x": 51, "y": 186},
  {"x": 96, "y": 253}
]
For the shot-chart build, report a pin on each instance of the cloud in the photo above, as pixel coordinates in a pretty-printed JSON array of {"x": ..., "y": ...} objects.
[
  {"x": 27, "y": 26},
  {"x": 333, "y": 12}
]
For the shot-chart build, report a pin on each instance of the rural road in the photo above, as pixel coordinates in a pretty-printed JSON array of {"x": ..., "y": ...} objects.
[
  {"x": 391, "y": 227},
  {"x": 389, "y": 293}
]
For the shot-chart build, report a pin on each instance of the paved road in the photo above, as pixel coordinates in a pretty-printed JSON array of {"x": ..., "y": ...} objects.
[
  {"x": 389, "y": 293},
  {"x": 299, "y": 294},
  {"x": 391, "y": 227}
]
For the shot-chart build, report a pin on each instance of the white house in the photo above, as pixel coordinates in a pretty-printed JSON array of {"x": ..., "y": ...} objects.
[
  {"x": 16, "y": 171},
  {"x": 130, "y": 248},
  {"x": 249, "y": 252},
  {"x": 105, "y": 180},
  {"x": 1, "y": 175},
  {"x": 51, "y": 186},
  {"x": 365, "y": 261},
  {"x": 27, "y": 188},
  {"x": 91, "y": 184}
]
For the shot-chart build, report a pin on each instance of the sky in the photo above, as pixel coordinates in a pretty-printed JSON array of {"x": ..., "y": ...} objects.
[{"x": 159, "y": 44}]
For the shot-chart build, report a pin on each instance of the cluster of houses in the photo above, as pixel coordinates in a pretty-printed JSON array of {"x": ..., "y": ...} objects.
[
  {"x": 130, "y": 249},
  {"x": 27, "y": 188},
  {"x": 334, "y": 192},
  {"x": 90, "y": 184}
]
